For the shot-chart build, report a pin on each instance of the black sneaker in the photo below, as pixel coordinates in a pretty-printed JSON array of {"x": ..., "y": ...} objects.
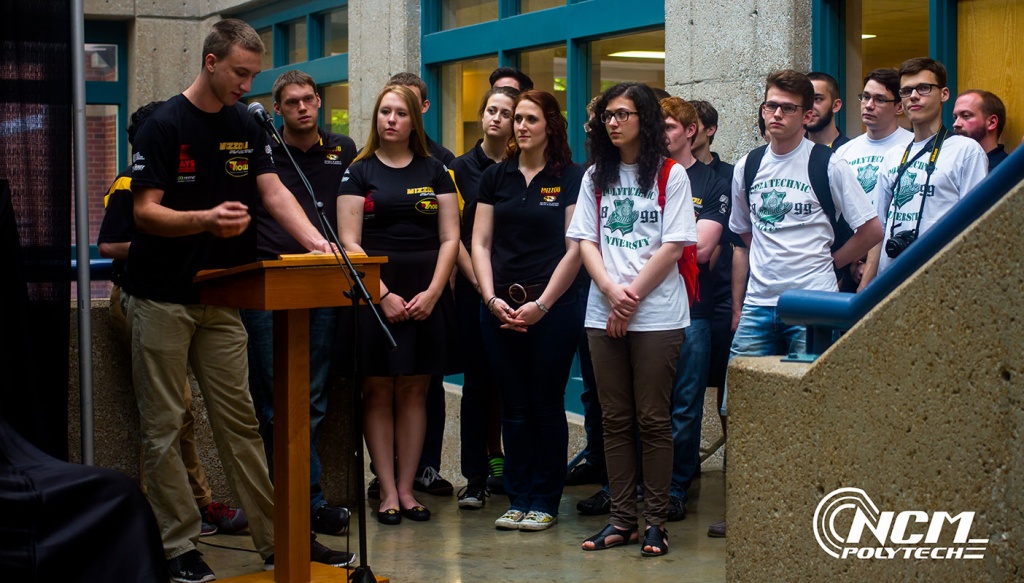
[
  {"x": 676, "y": 509},
  {"x": 373, "y": 490},
  {"x": 600, "y": 503},
  {"x": 474, "y": 495},
  {"x": 329, "y": 519},
  {"x": 207, "y": 528},
  {"x": 431, "y": 482},
  {"x": 319, "y": 553},
  {"x": 496, "y": 479},
  {"x": 189, "y": 568},
  {"x": 584, "y": 473}
]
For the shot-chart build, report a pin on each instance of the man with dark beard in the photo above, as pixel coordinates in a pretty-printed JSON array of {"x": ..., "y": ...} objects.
[
  {"x": 981, "y": 116},
  {"x": 821, "y": 129}
]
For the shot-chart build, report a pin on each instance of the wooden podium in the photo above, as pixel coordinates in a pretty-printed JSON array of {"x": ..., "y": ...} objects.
[{"x": 290, "y": 287}]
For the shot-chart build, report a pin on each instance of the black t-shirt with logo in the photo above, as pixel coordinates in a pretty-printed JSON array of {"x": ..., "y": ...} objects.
[
  {"x": 468, "y": 169},
  {"x": 400, "y": 206},
  {"x": 723, "y": 269},
  {"x": 199, "y": 160},
  {"x": 528, "y": 239},
  {"x": 118, "y": 220},
  {"x": 323, "y": 164},
  {"x": 711, "y": 202}
]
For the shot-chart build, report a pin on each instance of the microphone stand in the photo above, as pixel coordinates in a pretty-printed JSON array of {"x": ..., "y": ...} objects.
[{"x": 357, "y": 292}]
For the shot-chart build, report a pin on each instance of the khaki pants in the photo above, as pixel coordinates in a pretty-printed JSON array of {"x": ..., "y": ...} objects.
[
  {"x": 189, "y": 455},
  {"x": 634, "y": 385},
  {"x": 166, "y": 338}
]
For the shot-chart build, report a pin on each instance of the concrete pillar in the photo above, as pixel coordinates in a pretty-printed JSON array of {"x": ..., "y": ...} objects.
[
  {"x": 384, "y": 39},
  {"x": 722, "y": 51}
]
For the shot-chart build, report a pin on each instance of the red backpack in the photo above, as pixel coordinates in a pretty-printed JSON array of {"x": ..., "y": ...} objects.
[{"x": 688, "y": 262}]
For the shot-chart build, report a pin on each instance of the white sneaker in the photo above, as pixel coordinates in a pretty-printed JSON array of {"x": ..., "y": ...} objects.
[
  {"x": 510, "y": 520},
  {"x": 537, "y": 521}
]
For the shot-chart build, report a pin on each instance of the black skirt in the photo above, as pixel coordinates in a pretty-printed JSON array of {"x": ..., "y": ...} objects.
[{"x": 425, "y": 347}]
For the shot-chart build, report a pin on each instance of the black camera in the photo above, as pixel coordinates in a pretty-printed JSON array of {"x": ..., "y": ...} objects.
[{"x": 899, "y": 242}]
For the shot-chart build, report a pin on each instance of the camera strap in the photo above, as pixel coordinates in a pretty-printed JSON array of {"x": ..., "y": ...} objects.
[{"x": 934, "y": 146}]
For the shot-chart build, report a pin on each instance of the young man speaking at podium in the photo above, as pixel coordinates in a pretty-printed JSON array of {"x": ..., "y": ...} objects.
[{"x": 199, "y": 163}]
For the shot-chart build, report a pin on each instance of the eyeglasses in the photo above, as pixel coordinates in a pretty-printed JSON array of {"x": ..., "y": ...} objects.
[
  {"x": 620, "y": 116},
  {"x": 878, "y": 99},
  {"x": 787, "y": 108},
  {"x": 922, "y": 89}
]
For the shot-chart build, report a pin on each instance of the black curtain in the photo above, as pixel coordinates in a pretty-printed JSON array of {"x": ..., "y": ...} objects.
[{"x": 36, "y": 163}]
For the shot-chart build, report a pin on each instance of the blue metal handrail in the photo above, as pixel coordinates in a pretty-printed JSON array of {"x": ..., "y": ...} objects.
[
  {"x": 823, "y": 312},
  {"x": 100, "y": 269}
]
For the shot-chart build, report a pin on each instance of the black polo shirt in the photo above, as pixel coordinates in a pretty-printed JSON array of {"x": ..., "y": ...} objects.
[
  {"x": 400, "y": 204},
  {"x": 468, "y": 169},
  {"x": 528, "y": 239},
  {"x": 198, "y": 160},
  {"x": 996, "y": 156},
  {"x": 323, "y": 164},
  {"x": 440, "y": 152},
  {"x": 711, "y": 202}
]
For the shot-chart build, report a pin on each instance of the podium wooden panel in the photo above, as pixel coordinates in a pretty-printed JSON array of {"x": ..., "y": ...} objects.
[{"x": 289, "y": 287}]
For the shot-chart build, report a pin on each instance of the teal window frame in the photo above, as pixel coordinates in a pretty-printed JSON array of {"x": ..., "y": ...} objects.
[
  {"x": 111, "y": 92},
  {"x": 327, "y": 70},
  {"x": 573, "y": 25},
  {"x": 828, "y": 43}
]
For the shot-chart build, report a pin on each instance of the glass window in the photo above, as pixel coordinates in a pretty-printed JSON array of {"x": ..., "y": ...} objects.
[
  {"x": 295, "y": 32},
  {"x": 634, "y": 57},
  {"x": 101, "y": 136},
  {"x": 879, "y": 35},
  {"x": 456, "y": 13},
  {"x": 267, "y": 59},
  {"x": 535, "y": 5},
  {"x": 547, "y": 68},
  {"x": 100, "y": 62},
  {"x": 334, "y": 108},
  {"x": 336, "y": 32},
  {"x": 463, "y": 85}
]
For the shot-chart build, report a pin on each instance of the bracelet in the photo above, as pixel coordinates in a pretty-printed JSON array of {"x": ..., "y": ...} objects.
[
  {"x": 491, "y": 301},
  {"x": 541, "y": 306},
  {"x": 386, "y": 294}
]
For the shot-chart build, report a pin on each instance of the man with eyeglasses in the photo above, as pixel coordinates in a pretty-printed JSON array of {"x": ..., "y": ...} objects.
[
  {"x": 981, "y": 116},
  {"x": 920, "y": 181},
  {"x": 782, "y": 220},
  {"x": 323, "y": 158},
  {"x": 827, "y": 103},
  {"x": 880, "y": 107}
]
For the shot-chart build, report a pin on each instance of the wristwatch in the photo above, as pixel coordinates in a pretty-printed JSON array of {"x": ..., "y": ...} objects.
[{"x": 542, "y": 307}]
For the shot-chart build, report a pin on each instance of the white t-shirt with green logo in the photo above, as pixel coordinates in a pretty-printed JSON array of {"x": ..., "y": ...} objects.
[
  {"x": 791, "y": 235},
  {"x": 961, "y": 165},
  {"x": 865, "y": 156},
  {"x": 632, "y": 228}
]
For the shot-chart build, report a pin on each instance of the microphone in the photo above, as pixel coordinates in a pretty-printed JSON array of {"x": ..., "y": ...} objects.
[{"x": 261, "y": 116}]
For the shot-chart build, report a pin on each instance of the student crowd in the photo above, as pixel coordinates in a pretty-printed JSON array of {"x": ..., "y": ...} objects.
[{"x": 655, "y": 262}]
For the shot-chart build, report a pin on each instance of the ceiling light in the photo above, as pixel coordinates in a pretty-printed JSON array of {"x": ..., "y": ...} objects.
[
  {"x": 866, "y": 36},
  {"x": 639, "y": 55}
]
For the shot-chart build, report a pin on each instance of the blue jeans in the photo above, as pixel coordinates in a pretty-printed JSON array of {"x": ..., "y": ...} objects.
[
  {"x": 260, "y": 327},
  {"x": 762, "y": 333},
  {"x": 531, "y": 370},
  {"x": 593, "y": 451},
  {"x": 478, "y": 388},
  {"x": 688, "y": 388}
]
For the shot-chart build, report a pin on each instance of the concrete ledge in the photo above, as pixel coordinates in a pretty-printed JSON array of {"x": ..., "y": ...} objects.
[{"x": 919, "y": 405}]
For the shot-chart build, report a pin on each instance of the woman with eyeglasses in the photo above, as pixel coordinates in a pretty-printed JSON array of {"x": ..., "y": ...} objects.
[
  {"x": 635, "y": 217},
  {"x": 530, "y": 323},
  {"x": 396, "y": 200},
  {"x": 480, "y": 418}
]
